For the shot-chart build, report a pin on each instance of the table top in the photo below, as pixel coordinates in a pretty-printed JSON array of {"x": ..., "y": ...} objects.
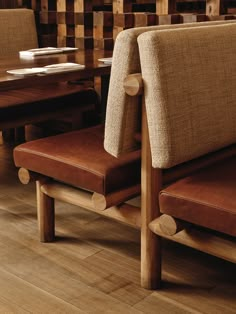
[{"x": 89, "y": 58}]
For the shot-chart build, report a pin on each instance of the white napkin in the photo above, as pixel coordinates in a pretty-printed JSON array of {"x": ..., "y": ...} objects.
[
  {"x": 44, "y": 51},
  {"x": 48, "y": 69},
  {"x": 62, "y": 67},
  {"x": 106, "y": 60}
]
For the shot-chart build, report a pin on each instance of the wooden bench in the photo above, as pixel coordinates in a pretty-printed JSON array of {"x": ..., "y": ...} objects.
[
  {"x": 188, "y": 120},
  {"x": 75, "y": 168}
]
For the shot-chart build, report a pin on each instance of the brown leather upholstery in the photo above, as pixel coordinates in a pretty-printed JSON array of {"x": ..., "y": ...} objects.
[
  {"x": 206, "y": 198},
  {"x": 78, "y": 158}
]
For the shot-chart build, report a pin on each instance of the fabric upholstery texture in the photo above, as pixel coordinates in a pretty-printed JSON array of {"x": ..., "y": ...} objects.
[
  {"x": 206, "y": 198},
  {"x": 123, "y": 113},
  {"x": 189, "y": 82},
  {"x": 79, "y": 159},
  {"x": 18, "y": 31}
]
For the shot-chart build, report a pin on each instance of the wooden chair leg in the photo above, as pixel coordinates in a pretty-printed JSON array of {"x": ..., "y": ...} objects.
[
  {"x": 8, "y": 135},
  {"x": 150, "y": 259},
  {"x": 46, "y": 214},
  {"x": 150, "y": 242},
  {"x": 20, "y": 134},
  {"x": 150, "y": 186}
]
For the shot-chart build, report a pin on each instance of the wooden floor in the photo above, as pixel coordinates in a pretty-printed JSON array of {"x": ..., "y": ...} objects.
[{"x": 93, "y": 267}]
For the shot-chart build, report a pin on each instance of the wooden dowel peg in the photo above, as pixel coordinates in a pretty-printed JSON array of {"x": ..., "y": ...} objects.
[
  {"x": 133, "y": 84},
  {"x": 25, "y": 176},
  {"x": 168, "y": 225}
]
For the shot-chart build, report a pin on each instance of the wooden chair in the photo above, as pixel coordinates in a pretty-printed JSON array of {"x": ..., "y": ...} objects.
[
  {"x": 75, "y": 168},
  {"x": 32, "y": 105},
  {"x": 188, "y": 123}
]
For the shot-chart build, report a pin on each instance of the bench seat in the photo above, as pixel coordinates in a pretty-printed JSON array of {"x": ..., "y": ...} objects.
[
  {"x": 206, "y": 198},
  {"x": 79, "y": 159}
]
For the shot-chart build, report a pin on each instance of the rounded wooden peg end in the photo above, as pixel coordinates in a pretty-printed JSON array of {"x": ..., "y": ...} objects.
[
  {"x": 169, "y": 225},
  {"x": 24, "y": 176},
  {"x": 99, "y": 201},
  {"x": 133, "y": 84}
]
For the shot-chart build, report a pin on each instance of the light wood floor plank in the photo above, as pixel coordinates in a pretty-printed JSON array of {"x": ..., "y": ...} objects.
[
  {"x": 29, "y": 298},
  {"x": 10, "y": 308},
  {"x": 130, "y": 294},
  {"x": 100, "y": 303},
  {"x": 155, "y": 303}
]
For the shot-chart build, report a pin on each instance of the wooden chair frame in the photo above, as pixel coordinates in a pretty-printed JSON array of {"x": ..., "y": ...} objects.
[
  {"x": 112, "y": 205},
  {"x": 153, "y": 225}
]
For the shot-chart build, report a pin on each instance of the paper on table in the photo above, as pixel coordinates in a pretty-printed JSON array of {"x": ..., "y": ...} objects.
[
  {"x": 48, "y": 69},
  {"x": 27, "y": 71},
  {"x": 44, "y": 51},
  {"x": 62, "y": 67},
  {"x": 65, "y": 49},
  {"x": 106, "y": 60}
]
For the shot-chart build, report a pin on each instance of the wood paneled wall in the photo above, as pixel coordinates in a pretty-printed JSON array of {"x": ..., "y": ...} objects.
[
  {"x": 95, "y": 23},
  {"x": 8, "y": 4}
]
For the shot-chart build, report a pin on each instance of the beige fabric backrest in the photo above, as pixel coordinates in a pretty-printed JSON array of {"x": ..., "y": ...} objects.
[
  {"x": 190, "y": 91},
  {"x": 122, "y": 116},
  {"x": 18, "y": 31}
]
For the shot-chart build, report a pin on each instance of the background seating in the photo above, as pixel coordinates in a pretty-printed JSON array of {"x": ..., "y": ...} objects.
[{"x": 32, "y": 105}]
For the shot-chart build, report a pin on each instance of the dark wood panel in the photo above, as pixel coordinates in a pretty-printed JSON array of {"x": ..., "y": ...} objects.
[{"x": 8, "y": 4}]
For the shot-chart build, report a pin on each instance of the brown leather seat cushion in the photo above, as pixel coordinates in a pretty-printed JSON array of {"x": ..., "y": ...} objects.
[
  {"x": 206, "y": 198},
  {"x": 79, "y": 159}
]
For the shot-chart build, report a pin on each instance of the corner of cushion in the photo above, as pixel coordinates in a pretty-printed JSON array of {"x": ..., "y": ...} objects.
[
  {"x": 119, "y": 152},
  {"x": 19, "y": 147},
  {"x": 162, "y": 193},
  {"x": 145, "y": 36},
  {"x": 125, "y": 36},
  {"x": 162, "y": 163},
  {"x": 109, "y": 150}
]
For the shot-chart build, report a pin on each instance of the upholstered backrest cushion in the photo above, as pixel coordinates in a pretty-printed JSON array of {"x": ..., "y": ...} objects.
[
  {"x": 18, "y": 31},
  {"x": 122, "y": 116},
  {"x": 190, "y": 91}
]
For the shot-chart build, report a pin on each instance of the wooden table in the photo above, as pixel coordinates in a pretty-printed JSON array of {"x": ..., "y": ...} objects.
[
  {"x": 93, "y": 68},
  {"x": 89, "y": 58}
]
